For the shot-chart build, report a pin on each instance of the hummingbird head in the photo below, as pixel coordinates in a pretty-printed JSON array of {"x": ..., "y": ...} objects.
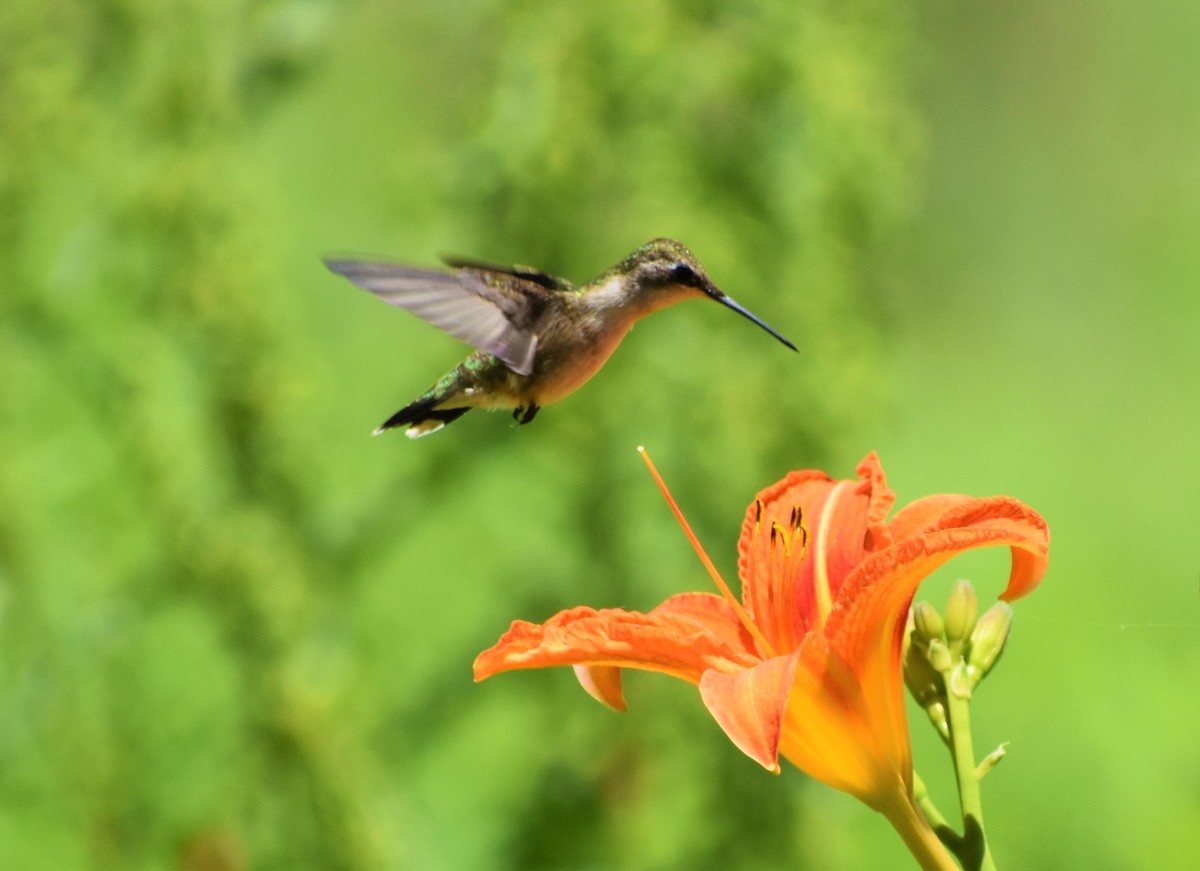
[{"x": 664, "y": 272}]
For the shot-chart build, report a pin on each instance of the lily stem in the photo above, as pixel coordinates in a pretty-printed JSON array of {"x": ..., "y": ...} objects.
[
  {"x": 972, "y": 849},
  {"x": 925, "y": 803},
  {"x": 929, "y": 851}
]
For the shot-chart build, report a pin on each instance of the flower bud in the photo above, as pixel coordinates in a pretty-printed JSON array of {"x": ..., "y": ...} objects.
[
  {"x": 922, "y": 680},
  {"x": 939, "y": 656},
  {"x": 988, "y": 640},
  {"x": 937, "y": 716},
  {"x": 962, "y": 609},
  {"x": 927, "y": 623},
  {"x": 927, "y": 685}
]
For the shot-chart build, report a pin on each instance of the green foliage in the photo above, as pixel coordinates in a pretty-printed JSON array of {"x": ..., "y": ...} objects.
[{"x": 237, "y": 633}]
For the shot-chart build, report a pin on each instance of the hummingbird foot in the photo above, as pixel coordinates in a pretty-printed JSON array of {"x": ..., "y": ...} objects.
[{"x": 525, "y": 413}]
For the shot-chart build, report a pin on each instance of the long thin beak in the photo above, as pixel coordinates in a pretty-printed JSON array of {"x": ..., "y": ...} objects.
[{"x": 729, "y": 302}]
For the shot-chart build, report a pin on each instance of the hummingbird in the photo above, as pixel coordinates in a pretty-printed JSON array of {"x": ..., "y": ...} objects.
[{"x": 538, "y": 337}]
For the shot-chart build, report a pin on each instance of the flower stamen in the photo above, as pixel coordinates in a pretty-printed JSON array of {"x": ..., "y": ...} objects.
[
  {"x": 778, "y": 533},
  {"x": 794, "y": 532},
  {"x": 760, "y": 640},
  {"x": 798, "y": 527}
]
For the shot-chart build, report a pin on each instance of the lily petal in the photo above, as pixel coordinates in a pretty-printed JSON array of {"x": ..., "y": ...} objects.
[
  {"x": 831, "y": 732},
  {"x": 789, "y": 587},
  {"x": 866, "y": 627},
  {"x": 884, "y": 583},
  {"x": 777, "y": 580},
  {"x": 675, "y": 641},
  {"x": 749, "y": 704},
  {"x": 1014, "y": 523},
  {"x": 710, "y": 614},
  {"x": 603, "y": 683},
  {"x": 923, "y": 514},
  {"x": 880, "y": 499}
]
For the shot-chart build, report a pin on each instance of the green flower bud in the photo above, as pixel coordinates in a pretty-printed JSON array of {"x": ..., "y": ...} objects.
[
  {"x": 962, "y": 609},
  {"x": 927, "y": 623},
  {"x": 939, "y": 656},
  {"x": 937, "y": 716},
  {"x": 922, "y": 680},
  {"x": 988, "y": 640},
  {"x": 908, "y": 634}
]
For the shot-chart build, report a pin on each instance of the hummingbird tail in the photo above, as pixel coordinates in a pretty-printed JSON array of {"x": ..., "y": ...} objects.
[{"x": 422, "y": 417}]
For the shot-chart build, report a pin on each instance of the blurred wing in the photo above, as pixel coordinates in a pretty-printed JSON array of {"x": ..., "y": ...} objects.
[
  {"x": 545, "y": 279},
  {"x": 461, "y": 303}
]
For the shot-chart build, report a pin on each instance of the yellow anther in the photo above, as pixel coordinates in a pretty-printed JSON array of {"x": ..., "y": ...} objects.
[{"x": 777, "y": 530}]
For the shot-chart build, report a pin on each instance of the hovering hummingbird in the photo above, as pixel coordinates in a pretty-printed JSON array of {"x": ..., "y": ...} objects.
[{"x": 538, "y": 336}]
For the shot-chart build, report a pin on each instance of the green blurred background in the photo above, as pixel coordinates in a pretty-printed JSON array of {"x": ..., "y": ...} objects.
[{"x": 236, "y": 632}]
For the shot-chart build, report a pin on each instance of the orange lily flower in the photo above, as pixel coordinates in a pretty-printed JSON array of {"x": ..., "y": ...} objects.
[{"x": 807, "y": 665}]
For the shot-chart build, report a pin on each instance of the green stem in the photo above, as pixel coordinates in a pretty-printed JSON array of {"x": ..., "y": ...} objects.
[
  {"x": 925, "y": 803},
  {"x": 931, "y": 854},
  {"x": 973, "y": 849}
]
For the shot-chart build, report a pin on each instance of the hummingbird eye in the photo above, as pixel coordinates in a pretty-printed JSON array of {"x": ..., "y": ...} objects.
[{"x": 682, "y": 273}]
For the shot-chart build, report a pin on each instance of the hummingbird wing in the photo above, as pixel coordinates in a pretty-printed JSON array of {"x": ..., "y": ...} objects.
[
  {"x": 528, "y": 273},
  {"x": 494, "y": 320}
]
